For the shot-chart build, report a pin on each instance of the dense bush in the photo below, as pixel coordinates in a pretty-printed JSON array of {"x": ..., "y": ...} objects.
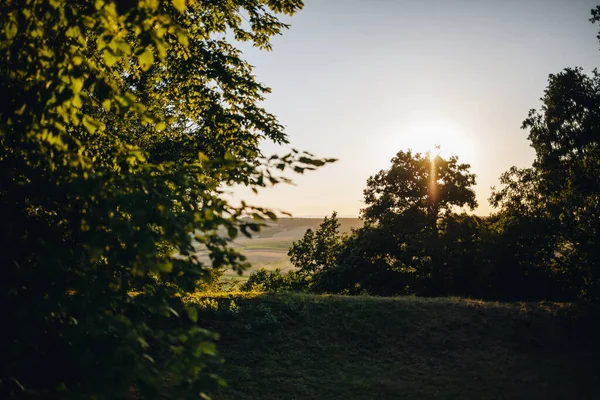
[{"x": 275, "y": 281}]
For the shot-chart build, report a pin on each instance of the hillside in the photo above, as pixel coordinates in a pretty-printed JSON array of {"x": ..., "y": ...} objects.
[
  {"x": 294, "y": 228},
  {"x": 268, "y": 248},
  {"x": 336, "y": 347}
]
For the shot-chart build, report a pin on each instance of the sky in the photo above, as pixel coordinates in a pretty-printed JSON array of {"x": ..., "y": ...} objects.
[{"x": 361, "y": 80}]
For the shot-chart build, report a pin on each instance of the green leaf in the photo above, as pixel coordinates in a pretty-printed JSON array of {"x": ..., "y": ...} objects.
[
  {"x": 72, "y": 32},
  {"x": 146, "y": 59},
  {"x": 182, "y": 39},
  {"x": 77, "y": 85},
  {"x": 179, "y": 5},
  {"x": 76, "y": 101},
  {"x": 109, "y": 57},
  {"x": 205, "y": 347},
  {"x": 90, "y": 124},
  {"x": 166, "y": 266},
  {"x": 232, "y": 232},
  {"x": 10, "y": 30},
  {"x": 106, "y": 104},
  {"x": 192, "y": 313}
]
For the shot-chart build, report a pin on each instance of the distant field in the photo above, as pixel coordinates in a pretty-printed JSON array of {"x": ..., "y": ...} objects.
[{"x": 269, "y": 248}]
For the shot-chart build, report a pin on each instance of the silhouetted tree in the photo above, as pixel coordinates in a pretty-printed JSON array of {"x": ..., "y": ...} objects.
[
  {"x": 411, "y": 199},
  {"x": 315, "y": 253},
  {"x": 561, "y": 192},
  {"x": 460, "y": 235},
  {"x": 367, "y": 262}
]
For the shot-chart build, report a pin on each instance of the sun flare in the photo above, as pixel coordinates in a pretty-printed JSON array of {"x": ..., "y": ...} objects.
[{"x": 435, "y": 137}]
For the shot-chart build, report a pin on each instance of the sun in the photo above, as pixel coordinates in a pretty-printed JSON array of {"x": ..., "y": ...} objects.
[{"x": 435, "y": 137}]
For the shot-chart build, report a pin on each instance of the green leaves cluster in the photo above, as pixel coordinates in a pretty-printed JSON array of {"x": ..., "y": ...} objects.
[{"x": 121, "y": 123}]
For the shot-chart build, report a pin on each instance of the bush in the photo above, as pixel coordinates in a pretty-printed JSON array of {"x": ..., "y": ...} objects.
[{"x": 275, "y": 281}]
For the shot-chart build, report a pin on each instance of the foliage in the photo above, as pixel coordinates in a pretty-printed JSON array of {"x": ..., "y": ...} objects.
[
  {"x": 409, "y": 221},
  {"x": 120, "y": 124},
  {"x": 317, "y": 251},
  {"x": 557, "y": 200},
  {"x": 410, "y": 200},
  {"x": 366, "y": 263},
  {"x": 274, "y": 281},
  {"x": 460, "y": 237},
  {"x": 313, "y": 254},
  {"x": 547, "y": 230}
]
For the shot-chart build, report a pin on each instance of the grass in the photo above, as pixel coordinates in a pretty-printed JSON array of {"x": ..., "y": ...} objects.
[
  {"x": 337, "y": 347},
  {"x": 268, "y": 244},
  {"x": 269, "y": 254}
]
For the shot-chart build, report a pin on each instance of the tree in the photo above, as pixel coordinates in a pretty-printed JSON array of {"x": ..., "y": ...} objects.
[
  {"x": 365, "y": 263},
  {"x": 411, "y": 199},
  {"x": 562, "y": 188},
  {"x": 556, "y": 202},
  {"x": 549, "y": 212},
  {"x": 566, "y": 137},
  {"x": 120, "y": 123},
  {"x": 317, "y": 251},
  {"x": 460, "y": 236}
]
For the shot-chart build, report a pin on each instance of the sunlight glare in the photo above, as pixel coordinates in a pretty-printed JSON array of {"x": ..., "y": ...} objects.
[{"x": 437, "y": 138}]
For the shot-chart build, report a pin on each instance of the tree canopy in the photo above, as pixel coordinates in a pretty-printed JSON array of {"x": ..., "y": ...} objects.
[
  {"x": 316, "y": 251},
  {"x": 560, "y": 193},
  {"x": 120, "y": 125},
  {"x": 411, "y": 198},
  {"x": 418, "y": 184}
]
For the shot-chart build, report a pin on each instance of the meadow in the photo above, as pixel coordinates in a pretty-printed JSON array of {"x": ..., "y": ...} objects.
[
  {"x": 269, "y": 248},
  {"x": 298, "y": 346}
]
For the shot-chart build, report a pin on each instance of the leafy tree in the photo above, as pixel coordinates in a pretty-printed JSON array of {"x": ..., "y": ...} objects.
[
  {"x": 560, "y": 193},
  {"x": 367, "y": 263},
  {"x": 566, "y": 139},
  {"x": 556, "y": 203},
  {"x": 312, "y": 255},
  {"x": 120, "y": 123},
  {"x": 460, "y": 236},
  {"x": 302, "y": 253},
  {"x": 410, "y": 201},
  {"x": 317, "y": 251}
]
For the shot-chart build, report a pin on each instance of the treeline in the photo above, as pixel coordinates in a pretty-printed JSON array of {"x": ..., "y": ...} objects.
[{"x": 543, "y": 241}]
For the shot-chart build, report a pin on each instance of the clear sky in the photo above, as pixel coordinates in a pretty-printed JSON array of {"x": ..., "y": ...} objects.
[{"x": 360, "y": 80}]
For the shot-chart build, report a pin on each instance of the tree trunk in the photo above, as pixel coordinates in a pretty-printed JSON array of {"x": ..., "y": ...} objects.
[{"x": 437, "y": 273}]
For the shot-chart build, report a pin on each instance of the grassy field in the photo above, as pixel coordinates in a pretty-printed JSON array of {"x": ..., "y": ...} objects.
[
  {"x": 269, "y": 248},
  {"x": 336, "y": 347}
]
